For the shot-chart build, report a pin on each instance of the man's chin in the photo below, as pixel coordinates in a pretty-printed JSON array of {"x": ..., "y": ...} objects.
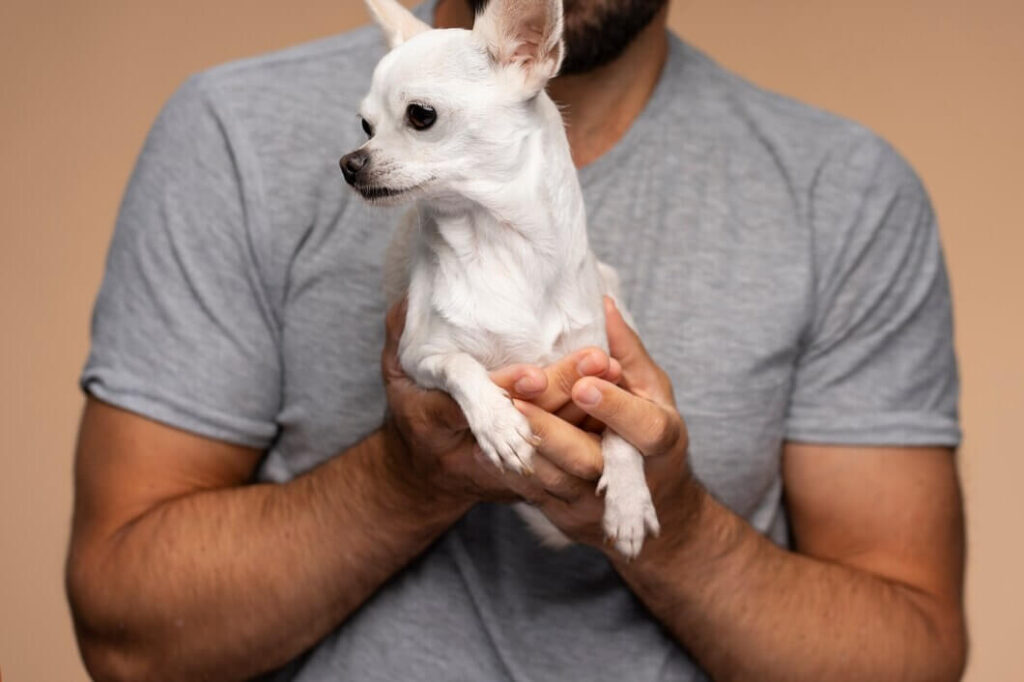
[{"x": 596, "y": 34}]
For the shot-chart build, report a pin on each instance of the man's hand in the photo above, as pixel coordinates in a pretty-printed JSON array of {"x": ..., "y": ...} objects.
[
  {"x": 874, "y": 591},
  {"x": 642, "y": 410},
  {"x": 432, "y": 448}
]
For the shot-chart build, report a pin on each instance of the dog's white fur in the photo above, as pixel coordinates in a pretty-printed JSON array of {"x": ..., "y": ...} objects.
[{"x": 495, "y": 260}]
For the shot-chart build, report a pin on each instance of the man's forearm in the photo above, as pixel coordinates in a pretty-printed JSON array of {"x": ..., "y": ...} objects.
[
  {"x": 748, "y": 609},
  {"x": 231, "y": 582}
]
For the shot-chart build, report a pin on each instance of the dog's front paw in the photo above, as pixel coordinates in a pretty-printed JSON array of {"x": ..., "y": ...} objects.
[
  {"x": 628, "y": 513},
  {"x": 504, "y": 435}
]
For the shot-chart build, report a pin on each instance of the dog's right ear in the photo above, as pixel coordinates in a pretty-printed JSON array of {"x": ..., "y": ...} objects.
[
  {"x": 398, "y": 23},
  {"x": 524, "y": 35}
]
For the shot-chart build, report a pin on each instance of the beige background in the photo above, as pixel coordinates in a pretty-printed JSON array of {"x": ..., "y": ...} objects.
[{"x": 80, "y": 83}]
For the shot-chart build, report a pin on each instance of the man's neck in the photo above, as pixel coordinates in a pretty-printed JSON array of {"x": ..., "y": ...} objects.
[{"x": 598, "y": 106}]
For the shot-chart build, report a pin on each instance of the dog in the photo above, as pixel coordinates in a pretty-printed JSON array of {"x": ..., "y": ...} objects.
[{"x": 494, "y": 260}]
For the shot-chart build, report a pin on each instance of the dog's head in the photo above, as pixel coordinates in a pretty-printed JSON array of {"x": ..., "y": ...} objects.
[{"x": 448, "y": 109}]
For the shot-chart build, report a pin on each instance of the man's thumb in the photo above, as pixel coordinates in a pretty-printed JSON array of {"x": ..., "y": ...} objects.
[{"x": 623, "y": 342}]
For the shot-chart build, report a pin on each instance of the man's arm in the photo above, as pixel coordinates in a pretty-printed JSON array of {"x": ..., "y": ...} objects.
[
  {"x": 177, "y": 570},
  {"x": 872, "y": 592}
]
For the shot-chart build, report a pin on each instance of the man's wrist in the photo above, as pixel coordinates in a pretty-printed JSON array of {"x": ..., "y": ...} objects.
[
  {"x": 695, "y": 531},
  {"x": 414, "y": 492}
]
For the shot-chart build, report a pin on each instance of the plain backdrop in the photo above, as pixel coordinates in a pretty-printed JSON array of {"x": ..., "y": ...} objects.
[{"x": 80, "y": 83}]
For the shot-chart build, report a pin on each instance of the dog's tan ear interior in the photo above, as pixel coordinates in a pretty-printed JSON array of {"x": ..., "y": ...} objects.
[
  {"x": 398, "y": 23},
  {"x": 524, "y": 34}
]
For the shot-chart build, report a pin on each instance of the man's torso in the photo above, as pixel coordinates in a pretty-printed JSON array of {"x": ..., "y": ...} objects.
[{"x": 705, "y": 209}]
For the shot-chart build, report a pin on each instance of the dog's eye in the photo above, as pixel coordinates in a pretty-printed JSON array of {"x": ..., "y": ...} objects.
[
  {"x": 420, "y": 116},
  {"x": 367, "y": 128}
]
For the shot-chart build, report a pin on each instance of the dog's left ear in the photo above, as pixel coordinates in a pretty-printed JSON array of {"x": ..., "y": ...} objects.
[
  {"x": 398, "y": 23},
  {"x": 524, "y": 35}
]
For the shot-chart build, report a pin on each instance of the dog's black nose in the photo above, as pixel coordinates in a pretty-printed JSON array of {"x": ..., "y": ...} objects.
[{"x": 352, "y": 163}]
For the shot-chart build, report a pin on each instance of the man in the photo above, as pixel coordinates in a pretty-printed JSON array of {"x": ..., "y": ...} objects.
[{"x": 784, "y": 269}]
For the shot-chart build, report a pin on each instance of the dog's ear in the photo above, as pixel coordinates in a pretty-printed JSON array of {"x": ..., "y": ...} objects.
[
  {"x": 398, "y": 23},
  {"x": 525, "y": 35}
]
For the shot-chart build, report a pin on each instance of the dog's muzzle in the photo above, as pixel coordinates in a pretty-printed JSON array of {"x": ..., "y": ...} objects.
[{"x": 352, "y": 163}]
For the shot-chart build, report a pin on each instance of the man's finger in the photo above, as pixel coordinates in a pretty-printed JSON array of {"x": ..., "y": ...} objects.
[
  {"x": 624, "y": 343},
  {"x": 439, "y": 408},
  {"x": 574, "y": 414},
  {"x": 557, "y": 482},
  {"x": 414, "y": 405},
  {"x": 394, "y": 324},
  {"x": 640, "y": 373},
  {"x": 572, "y": 450},
  {"x": 524, "y": 488},
  {"x": 521, "y": 381},
  {"x": 653, "y": 429},
  {"x": 571, "y": 412},
  {"x": 561, "y": 376},
  {"x": 532, "y": 383}
]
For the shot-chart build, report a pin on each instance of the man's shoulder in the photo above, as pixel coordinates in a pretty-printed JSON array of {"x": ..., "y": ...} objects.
[
  {"x": 266, "y": 131},
  {"x": 340, "y": 62},
  {"x": 816, "y": 153},
  {"x": 740, "y": 106},
  {"x": 290, "y": 103}
]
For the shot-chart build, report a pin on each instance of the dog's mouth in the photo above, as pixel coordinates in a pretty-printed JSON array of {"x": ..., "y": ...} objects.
[
  {"x": 377, "y": 192},
  {"x": 382, "y": 194}
]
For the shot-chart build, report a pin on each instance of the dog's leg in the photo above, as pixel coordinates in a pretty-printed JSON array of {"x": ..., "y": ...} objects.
[
  {"x": 628, "y": 510},
  {"x": 501, "y": 431}
]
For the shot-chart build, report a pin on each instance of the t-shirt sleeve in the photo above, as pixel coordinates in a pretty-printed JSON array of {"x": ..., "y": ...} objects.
[
  {"x": 877, "y": 366},
  {"x": 182, "y": 330}
]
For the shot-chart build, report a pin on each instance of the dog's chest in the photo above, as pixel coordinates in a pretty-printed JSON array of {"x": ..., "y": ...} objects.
[{"x": 500, "y": 312}]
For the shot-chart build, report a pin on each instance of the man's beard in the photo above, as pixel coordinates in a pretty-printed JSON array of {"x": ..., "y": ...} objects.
[{"x": 597, "y": 31}]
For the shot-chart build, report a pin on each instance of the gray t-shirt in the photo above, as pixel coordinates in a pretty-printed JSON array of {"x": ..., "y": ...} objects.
[{"x": 782, "y": 264}]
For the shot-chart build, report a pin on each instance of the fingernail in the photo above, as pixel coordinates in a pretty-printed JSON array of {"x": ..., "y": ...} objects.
[
  {"x": 527, "y": 384},
  {"x": 588, "y": 365},
  {"x": 588, "y": 395}
]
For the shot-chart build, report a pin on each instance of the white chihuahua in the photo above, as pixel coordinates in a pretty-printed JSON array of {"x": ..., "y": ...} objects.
[{"x": 494, "y": 261}]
